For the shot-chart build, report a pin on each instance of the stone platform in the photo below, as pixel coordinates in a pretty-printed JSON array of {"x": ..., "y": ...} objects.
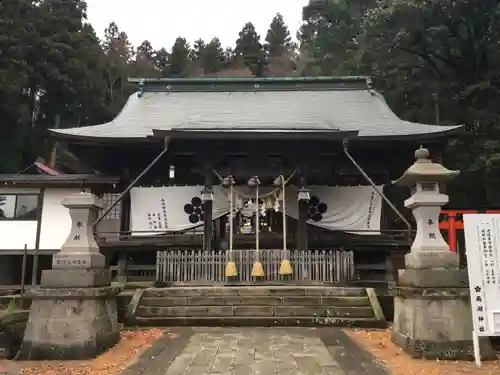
[
  {"x": 73, "y": 323},
  {"x": 432, "y": 315}
]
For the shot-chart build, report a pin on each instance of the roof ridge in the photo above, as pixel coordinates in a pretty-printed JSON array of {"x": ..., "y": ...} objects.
[
  {"x": 258, "y": 84},
  {"x": 251, "y": 79}
]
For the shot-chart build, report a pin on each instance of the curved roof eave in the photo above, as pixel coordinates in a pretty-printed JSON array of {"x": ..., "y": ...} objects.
[
  {"x": 92, "y": 139},
  {"x": 447, "y": 132}
]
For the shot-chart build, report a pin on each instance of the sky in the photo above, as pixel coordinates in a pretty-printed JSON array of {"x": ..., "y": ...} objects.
[{"x": 162, "y": 21}]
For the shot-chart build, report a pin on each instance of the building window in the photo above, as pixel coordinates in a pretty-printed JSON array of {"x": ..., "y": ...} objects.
[
  {"x": 108, "y": 199},
  {"x": 18, "y": 206}
]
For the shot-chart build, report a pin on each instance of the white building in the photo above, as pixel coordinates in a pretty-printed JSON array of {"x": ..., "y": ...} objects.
[{"x": 32, "y": 217}]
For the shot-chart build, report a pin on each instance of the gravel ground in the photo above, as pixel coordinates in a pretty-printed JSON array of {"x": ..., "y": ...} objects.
[
  {"x": 380, "y": 345},
  {"x": 113, "y": 362}
]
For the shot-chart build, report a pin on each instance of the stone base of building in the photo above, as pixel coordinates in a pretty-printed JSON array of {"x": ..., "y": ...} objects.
[
  {"x": 432, "y": 315},
  {"x": 70, "y": 323}
]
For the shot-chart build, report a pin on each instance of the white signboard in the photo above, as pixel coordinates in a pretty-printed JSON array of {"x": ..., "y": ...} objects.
[{"x": 482, "y": 242}]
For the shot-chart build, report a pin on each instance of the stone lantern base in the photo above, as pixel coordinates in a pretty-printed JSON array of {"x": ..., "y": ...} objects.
[
  {"x": 73, "y": 316},
  {"x": 432, "y": 315}
]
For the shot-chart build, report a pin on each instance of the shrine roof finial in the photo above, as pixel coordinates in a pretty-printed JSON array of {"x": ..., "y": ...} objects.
[{"x": 422, "y": 155}]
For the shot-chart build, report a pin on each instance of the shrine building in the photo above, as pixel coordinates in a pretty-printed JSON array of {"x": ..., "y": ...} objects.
[{"x": 197, "y": 173}]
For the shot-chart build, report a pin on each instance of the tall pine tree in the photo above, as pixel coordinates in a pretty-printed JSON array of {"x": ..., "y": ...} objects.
[
  {"x": 213, "y": 58},
  {"x": 71, "y": 86},
  {"x": 119, "y": 52},
  {"x": 198, "y": 49},
  {"x": 160, "y": 62},
  {"x": 51, "y": 66},
  {"x": 249, "y": 48},
  {"x": 145, "y": 50},
  {"x": 278, "y": 39},
  {"x": 178, "y": 59},
  {"x": 17, "y": 18},
  {"x": 144, "y": 57}
]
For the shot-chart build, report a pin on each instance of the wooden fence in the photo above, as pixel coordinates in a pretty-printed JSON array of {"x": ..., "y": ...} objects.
[{"x": 198, "y": 266}]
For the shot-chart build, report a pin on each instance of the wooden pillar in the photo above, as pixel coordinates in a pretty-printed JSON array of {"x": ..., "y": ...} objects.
[
  {"x": 208, "y": 205},
  {"x": 124, "y": 226},
  {"x": 34, "y": 275},
  {"x": 302, "y": 225},
  {"x": 303, "y": 202},
  {"x": 221, "y": 231}
]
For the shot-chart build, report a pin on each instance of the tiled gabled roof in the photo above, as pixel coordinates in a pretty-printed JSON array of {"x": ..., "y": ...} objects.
[{"x": 242, "y": 105}]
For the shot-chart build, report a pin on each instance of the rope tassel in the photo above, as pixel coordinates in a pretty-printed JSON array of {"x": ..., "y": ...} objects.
[
  {"x": 231, "y": 270},
  {"x": 257, "y": 269},
  {"x": 285, "y": 266}
]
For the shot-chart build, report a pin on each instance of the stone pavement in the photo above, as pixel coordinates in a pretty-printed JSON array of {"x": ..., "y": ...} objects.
[{"x": 256, "y": 351}]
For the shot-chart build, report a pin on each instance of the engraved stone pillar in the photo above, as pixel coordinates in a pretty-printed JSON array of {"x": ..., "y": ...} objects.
[
  {"x": 73, "y": 315},
  {"x": 80, "y": 251},
  {"x": 432, "y": 313}
]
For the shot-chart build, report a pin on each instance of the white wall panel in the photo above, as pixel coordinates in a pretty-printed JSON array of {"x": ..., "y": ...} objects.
[
  {"x": 56, "y": 222},
  {"x": 15, "y": 234}
]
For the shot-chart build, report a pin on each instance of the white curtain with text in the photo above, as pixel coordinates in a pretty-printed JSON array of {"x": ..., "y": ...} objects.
[
  {"x": 157, "y": 210},
  {"x": 356, "y": 209}
]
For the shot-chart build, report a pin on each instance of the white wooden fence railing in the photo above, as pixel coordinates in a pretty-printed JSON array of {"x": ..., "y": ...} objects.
[{"x": 199, "y": 266}]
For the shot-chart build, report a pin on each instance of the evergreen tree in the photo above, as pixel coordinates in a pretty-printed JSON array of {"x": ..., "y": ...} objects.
[
  {"x": 198, "y": 49},
  {"x": 145, "y": 50},
  {"x": 329, "y": 36},
  {"x": 144, "y": 61},
  {"x": 51, "y": 66},
  {"x": 90, "y": 103},
  {"x": 249, "y": 48},
  {"x": 70, "y": 85},
  {"x": 213, "y": 58},
  {"x": 278, "y": 38},
  {"x": 16, "y": 78},
  {"x": 119, "y": 52},
  {"x": 160, "y": 62},
  {"x": 179, "y": 58}
]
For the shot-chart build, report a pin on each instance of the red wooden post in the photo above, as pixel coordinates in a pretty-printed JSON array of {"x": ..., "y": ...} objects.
[{"x": 452, "y": 231}]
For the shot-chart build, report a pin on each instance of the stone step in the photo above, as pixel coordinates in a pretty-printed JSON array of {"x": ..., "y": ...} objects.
[
  {"x": 255, "y": 301},
  {"x": 263, "y": 311},
  {"x": 254, "y": 291},
  {"x": 259, "y": 321}
]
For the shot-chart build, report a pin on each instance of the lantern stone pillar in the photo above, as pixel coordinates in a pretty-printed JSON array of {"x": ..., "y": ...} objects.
[
  {"x": 432, "y": 312},
  {"x": 73, "y": 314}
]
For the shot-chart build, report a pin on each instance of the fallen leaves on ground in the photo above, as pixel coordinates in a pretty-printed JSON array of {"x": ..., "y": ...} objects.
[
  {"x": 112, "y": 362},
  {"x": 380, "y": 345}
]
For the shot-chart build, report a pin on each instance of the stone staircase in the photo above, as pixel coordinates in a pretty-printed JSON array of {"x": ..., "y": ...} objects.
[{"x": 256, "y": 306}]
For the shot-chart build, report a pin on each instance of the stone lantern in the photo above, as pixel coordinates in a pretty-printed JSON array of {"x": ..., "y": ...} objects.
[
  {"x": 73, "y": 315},
  {"x": 429, "y": 249},
  {"x": 432, "y": 311}
]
